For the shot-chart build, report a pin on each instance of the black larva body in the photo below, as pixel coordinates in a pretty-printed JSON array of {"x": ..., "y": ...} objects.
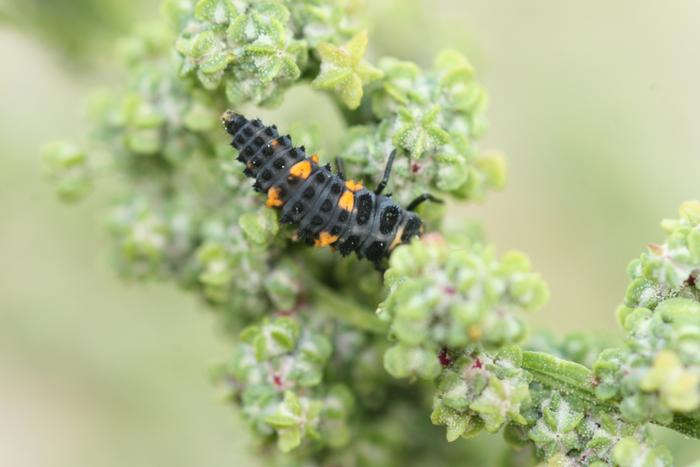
[{"x": 327, "y": 209}]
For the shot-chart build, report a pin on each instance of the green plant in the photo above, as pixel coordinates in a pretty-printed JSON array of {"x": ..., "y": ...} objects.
[{"x": 449, "y": 324}]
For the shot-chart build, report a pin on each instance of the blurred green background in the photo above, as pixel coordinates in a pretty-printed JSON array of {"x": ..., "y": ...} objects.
[{"x": 594, "y": 103}]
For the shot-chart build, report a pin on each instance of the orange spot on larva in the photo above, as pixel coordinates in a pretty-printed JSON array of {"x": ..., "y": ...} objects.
[
  {"x": 347, "y": 200},
  {"x": 354, "y": 186},
  {"x": 301, "y": 169},
  {"x": 325, "y": 239},
  {"x": 273, "y": 198},
  {"x": 315, "y": 158},
  {"x": 274, "y": 143}
]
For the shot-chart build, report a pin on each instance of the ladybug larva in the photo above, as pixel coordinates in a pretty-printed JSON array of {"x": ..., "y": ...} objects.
[{"x": 328, "y": 209}]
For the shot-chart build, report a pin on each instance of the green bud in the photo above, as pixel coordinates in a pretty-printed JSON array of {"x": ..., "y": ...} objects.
[
  {"x": 282, "y": 286},
  {"x": 276, "y": 337},
  {"x": 418, "y": 132},
  {"x": 678, "y": 387},
  {"x": 556, "y": 430},
  {"x": 326, "y": 21},
  {"x": 402, "y": 361},
  {"x": 500, "y": 403},
  {"x": 458, "y": 424},
  {"x": 344, "y": 71},
  {"x": 629, "y": 452},
  {"x": 690, "y": 212},
  {"x": 259, "y": 227},
  {"x": 493, "y": 166},
  {"x": 607, "y": 371},
  {"x": 643, "y": 293},
  {"x": 215, "y": 11},
  {"x": 217, "y": 271},
  {"x": 143, "y": 238},
  {"x": 66, "y": 166}
]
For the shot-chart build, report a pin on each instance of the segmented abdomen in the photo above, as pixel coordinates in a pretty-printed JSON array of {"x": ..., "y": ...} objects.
[{"x": 327, "y": 209}]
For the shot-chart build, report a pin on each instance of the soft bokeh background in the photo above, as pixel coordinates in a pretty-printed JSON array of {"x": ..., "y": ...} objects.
[{"x": 595, "y": 103}]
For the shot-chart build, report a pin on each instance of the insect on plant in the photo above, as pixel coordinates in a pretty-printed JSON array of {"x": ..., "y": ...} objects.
[
  {"x": 325, "y": 357},
  {"x": 329, "y": 210}
]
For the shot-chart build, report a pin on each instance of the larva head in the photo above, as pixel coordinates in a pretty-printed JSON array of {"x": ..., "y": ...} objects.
[{"x": 412, "y": 226}]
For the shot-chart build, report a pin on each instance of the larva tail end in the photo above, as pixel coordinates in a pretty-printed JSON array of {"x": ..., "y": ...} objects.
[{"x": 233, "y": 121}]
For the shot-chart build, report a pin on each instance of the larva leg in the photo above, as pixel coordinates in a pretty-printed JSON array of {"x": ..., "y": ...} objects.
[
  {"x": 387, "y": 174},
  {"x": 339, "y": 167},
  {"x": 421, "y": 199}
]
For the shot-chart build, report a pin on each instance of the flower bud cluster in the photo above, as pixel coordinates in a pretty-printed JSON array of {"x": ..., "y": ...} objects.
[
  {"x": 566, "y": 430},
  {"x": 65, "y": 165},
  {"x": 254, "y": 50},
  {"x": 440, "y": 296},
  {"x": 478, "y": 391},
  {"x": 657, "y": 372},
  {"x": 276, "y": 375},
  {"x": 669, "y": 269},
  {"x": 164, "y": 136},
  {"x": 230, "y": 262},
  {"x": 433, "y": 119}
]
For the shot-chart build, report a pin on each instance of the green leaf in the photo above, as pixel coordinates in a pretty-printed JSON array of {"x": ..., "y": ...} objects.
[
  {"x": 679, "y": 388},
  {"x": 281, "y": 420},
  {"x": 215, "y": 11},
  {"x": 259, "y": 227},
  {"x": 292, "y": 403},
  {"x": 147, "y": 141},
  {"x": 344, "y": 71},
  {"x": 65, "y": 164},
  {"x": 409, "y": 362},
  {"x": 289, "y": 439},
  {"x": 690, "y": 212}
]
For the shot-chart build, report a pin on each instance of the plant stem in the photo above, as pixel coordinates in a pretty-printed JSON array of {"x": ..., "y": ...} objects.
[
  {"x": 560, "y": 374},
  {"x": 345, "y": 309},
  {"x": 571, "y": 377}
]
